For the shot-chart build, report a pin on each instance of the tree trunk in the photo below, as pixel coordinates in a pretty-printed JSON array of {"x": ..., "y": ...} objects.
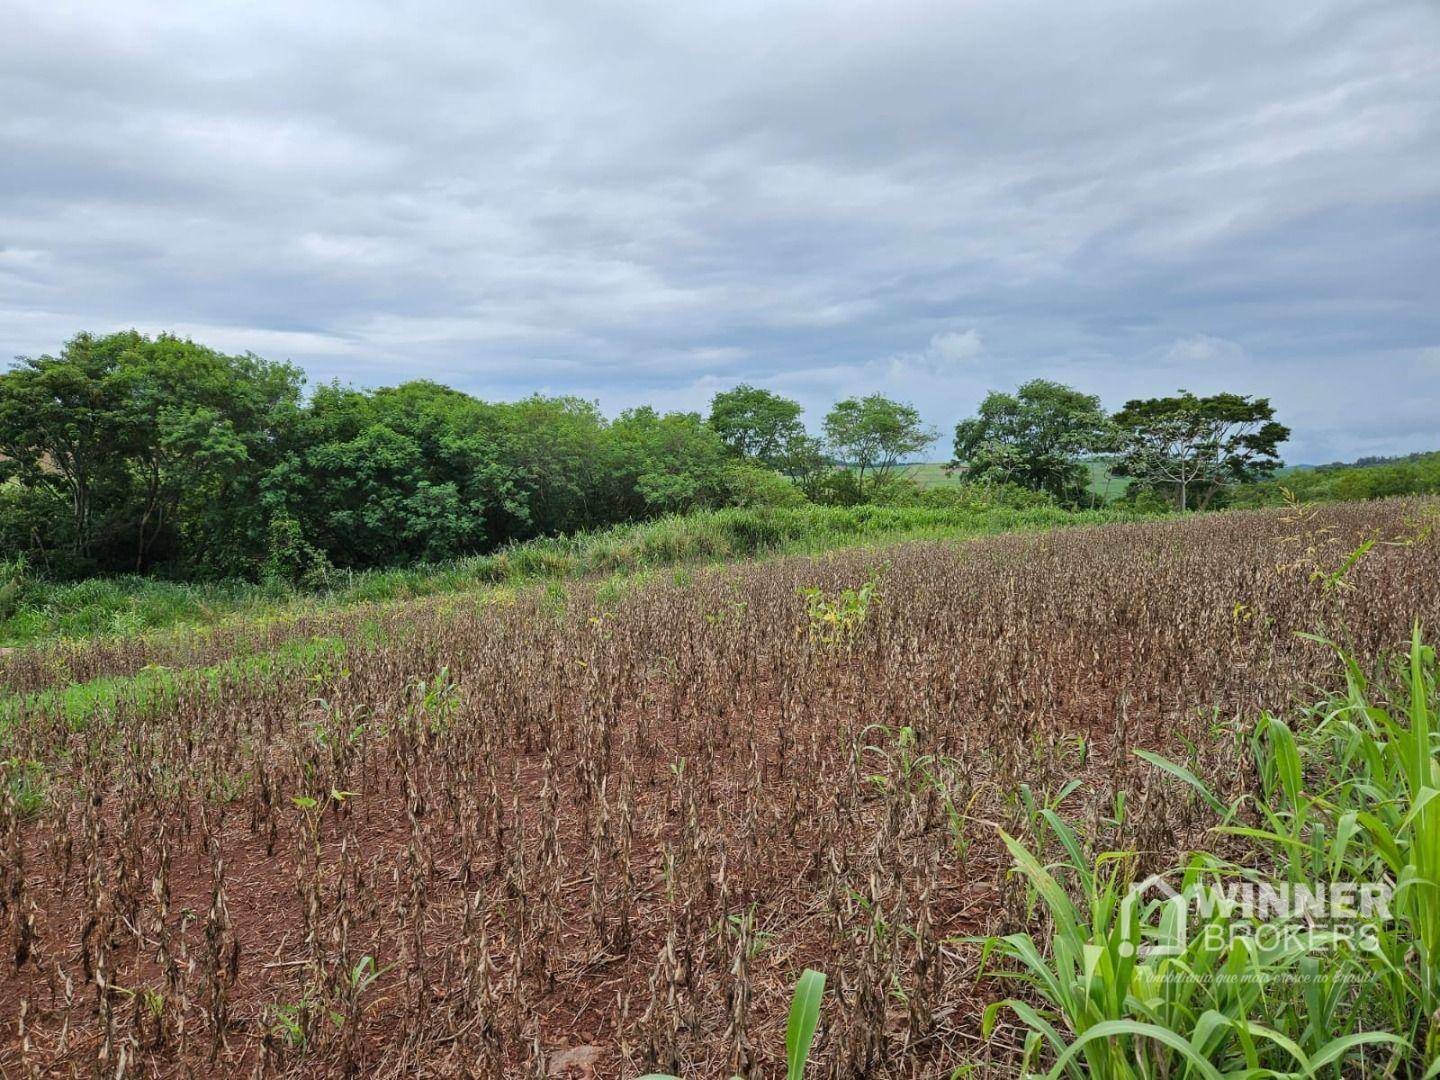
[
  {"x": 81, "y": 503},
  {"x": 151, "y": 498}
]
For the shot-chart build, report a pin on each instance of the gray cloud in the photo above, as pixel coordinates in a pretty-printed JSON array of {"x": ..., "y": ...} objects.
[{"x": 645, "y": 201}]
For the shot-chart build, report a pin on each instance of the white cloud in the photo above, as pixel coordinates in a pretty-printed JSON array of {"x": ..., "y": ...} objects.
[
  {"x": 623, "y": 199},
  {"x": 275, "y": 344},
  {"x": 948, "y": 352},
  {"x": 1200, "y": 350},
  {"x": 956, "y": 346}
]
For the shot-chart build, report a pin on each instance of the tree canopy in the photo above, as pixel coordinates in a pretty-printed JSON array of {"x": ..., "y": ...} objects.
[
  {"x": 874, "y": 435},
  {"x": 756, "y": 423},
  {"x": 1035, "y": 437},
  {"x": 1192, "y": 447},
  {"x": 130, "y": 453},
  {"x": 127, "y": 453},
  {"x": 128, "y": 444}
]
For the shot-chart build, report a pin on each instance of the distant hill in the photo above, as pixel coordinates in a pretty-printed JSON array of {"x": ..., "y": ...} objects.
[
  {"x": 1365, "y": 478},
  {"x": 1368, "y": 462}
]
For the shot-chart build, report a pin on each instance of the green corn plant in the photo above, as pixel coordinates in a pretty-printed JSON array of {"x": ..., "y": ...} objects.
[
  {"x": 1135, "y": 987},
  {"x": 1042, "y": 808},
  {"x": 903, "y": 766},
  {"x": 1128, "y": 986},
  {"x": 957, "y": 817},
  {"x": 1354, "y": 795},
  {"x": 804, "y": 1019},
  {"x": 799, "y": 1031},
  {"x": 290, "y": 1024}
]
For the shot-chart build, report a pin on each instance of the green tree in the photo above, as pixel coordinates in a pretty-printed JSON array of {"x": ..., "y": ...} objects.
[
  {"x": 803, "y": 460},
  {"x": 208, "y": 427},
  {"x": 874, "y": 435},
  {"x": 555, "y": 447},
  {"x": 1192, "y": 447},
  {"x": 665, "y": 463},
  {"x": 756, "y": 423},
  {"x": 148, "y": 443},
  {"x": 388, "y": 476},
  {"x": 750, "y": 485},
  {"x": 1034, "y": 437},
  {"x": 290, "y": 559},
  {"x": 67, "y": 430}
]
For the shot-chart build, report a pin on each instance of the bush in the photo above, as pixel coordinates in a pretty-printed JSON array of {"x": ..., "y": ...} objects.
[
  {"x": 1419, "y": 475},
  {"x": 34, "y": 524},
  {"x": 894, "y": 491},
  {"x": 752, "y": 533},
  {"x": 12, "y": 584},
  {"x": 750, "y": 486},
  {"x": 131, "y": 603},
  {"x": 1148, "y": 500},
  {"x": 978, "y": 495},
  {"x": 839, "y": 487},
  {"x": 292, "y": 560}
]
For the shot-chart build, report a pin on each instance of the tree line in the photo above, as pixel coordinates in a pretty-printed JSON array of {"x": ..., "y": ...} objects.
[
  {"x": 1365, "y": 478},
  {"x": 127, "y": 453},
  {"x": 1188, "y": 450}
]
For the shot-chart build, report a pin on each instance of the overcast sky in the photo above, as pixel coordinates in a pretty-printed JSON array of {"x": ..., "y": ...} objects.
[{"x": 651, "y": 201}]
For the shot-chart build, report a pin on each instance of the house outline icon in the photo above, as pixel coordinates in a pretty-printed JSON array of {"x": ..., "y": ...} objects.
[{"x": 1159, "y": 884}]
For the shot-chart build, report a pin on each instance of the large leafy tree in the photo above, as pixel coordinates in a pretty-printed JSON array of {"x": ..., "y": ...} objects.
[
  {"x": 1034, "y": 437},
  {"x": 147, "y": 443},
  {"x": 209, "y": 427},
  {"x": 384, "y": 477},
  {"x": 803, "y": 460},
  {"x": 663, "y": 463},
  {"x": 67, "y": 430},
  {"x": 756, "y": 423},
  {"x": 1192, "y": 447},
  {"x": 874, "y": 436},
  {"x": 556, "y": 448}
]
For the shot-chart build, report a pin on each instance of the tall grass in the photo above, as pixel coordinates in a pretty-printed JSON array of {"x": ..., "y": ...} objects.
[
  {"x": 156, "y": 688},
  {"x": 1129, "y": 985}
]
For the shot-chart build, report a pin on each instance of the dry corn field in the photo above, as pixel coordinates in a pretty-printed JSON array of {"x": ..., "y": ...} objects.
[{"x": 601, "y": 834}]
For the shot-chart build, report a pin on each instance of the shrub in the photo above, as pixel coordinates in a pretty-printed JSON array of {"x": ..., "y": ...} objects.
[
  {"x": 751, "y": 486},
  {"x": 753, "y": 533},
  {"x": 290, "y": 559},
  {"x": 978, "y": 495},
  {"x": 836, "y": 488},
  {"x": 12, "y": 584}
]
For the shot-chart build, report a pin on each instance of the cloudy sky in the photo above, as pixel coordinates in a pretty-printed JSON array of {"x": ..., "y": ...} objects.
[{"x": 650, "y": 201}]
